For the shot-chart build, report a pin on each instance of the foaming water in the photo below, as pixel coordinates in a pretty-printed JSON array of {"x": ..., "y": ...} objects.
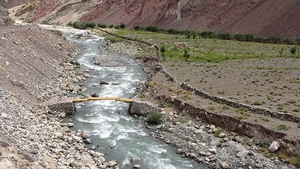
[{"x": 112, "y": 130}]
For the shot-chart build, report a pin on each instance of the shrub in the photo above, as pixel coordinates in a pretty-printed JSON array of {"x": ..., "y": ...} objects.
[
  {"x": 70, "y": 23},
  {"x": 281, "y": 51},
  {"x": 186, "y": 54},
  {"x": 283, "y": 127},
  {"x": 161, "y": 105},
  {"x": 163, "y": 49},
  {"x": 257, "y": 102},
  {"x": 299, "y": 124},
  {"x": 122, "y": 26},
  {"x": 293, "y": 50},
  {"x": 296, "y": 160},
  {"x": 117, "y": 26},
  {"x": 218, "y": 132},
  {"x": 154, "y": 118}
]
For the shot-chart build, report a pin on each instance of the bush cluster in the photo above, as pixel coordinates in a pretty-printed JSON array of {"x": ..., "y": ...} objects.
[
  {"x": 86, "y": 25},
  {"x": 225, "y": 36},
  {"x": 82, "y": 25},
  {"x": 154, "y": 118}
]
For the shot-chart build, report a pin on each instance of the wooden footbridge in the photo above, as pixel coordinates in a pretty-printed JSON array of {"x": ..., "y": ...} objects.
[{"x": 102, "y": 98}]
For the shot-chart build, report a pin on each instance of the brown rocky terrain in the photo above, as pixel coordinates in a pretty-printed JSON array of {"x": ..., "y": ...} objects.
[
  {"x": 37, "y": 67},
  {"x": 4, "y": 17},
  {"x": 11, "y": 3},
  {"x": 265, "y": 18}
]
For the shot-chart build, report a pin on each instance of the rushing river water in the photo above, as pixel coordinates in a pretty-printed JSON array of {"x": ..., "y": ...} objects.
[{"x": 118, "y": 135}]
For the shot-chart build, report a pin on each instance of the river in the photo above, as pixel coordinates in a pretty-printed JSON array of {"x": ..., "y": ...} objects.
[{"x": 112, "y": 130}]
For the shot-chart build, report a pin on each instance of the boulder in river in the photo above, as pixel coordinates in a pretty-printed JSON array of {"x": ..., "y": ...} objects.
[
  {"x": 95, "y": 95},
  {"x": 103, "y": 83},
  {"x": 84, "y": 134}
]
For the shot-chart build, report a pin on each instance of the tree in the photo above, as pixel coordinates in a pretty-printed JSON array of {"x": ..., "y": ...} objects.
[
  {"x": 122, "y": 26},
  {"x": 92, "y": 24},
  {"x": 117, "y": 26},
  {"x": 111, "y": 25},
  {"x": 186, "y": 54},
  {"x": 137, "y": 27},
  {"x": 204, "y": 34}
]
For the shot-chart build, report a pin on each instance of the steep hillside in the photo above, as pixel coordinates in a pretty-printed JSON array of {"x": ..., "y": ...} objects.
[
  {"x": 29, "y": 60},
  {"x": 11, "y": 3},
  {"x": 262, "y": 17},
  {"x": 4, "y": 18}
]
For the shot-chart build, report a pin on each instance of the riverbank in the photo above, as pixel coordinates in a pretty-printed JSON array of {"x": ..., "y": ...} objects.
[
  {"x": 249, "y": 145},
  {"x": 37, "y": 67},
  {"x": 204, "y": 142}
]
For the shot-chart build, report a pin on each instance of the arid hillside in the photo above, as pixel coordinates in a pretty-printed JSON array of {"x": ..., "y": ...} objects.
[
  {"x": 4, "y": 18},
  {"x": 29, "y": 60},
  {"x": 262, "y": 17},
  {"x": 11, "y": 3}
]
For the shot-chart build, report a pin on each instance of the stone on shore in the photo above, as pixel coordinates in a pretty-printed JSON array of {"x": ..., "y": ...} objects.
[
  {"x": 84, "y": 134},
  {"x": 274, "y": 147}
]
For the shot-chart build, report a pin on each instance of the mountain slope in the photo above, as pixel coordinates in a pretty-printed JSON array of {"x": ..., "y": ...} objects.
[{"x": 262, "y": 17}]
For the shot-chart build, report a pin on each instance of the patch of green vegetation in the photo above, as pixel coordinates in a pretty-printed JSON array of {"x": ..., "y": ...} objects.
[
  {"x": 266, "y": 119},
  {"x": 165, "y": 130},
  {"x": 218, "y": 132},
  {"x": 154, "y": 119},
  {"x": 283, "y": 127},
  {"x": 161, "y": 105},
  {"x": 257, "y": 102}
]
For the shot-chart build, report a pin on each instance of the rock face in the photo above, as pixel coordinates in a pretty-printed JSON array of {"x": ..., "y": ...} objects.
[
  {"x": 4, "y": 18},
  {"x": 244, "y": 16}
]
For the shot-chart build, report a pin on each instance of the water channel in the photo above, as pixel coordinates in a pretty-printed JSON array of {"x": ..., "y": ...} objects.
[{"x": 118, "y": 135}]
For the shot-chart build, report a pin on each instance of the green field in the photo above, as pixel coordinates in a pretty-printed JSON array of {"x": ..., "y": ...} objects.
[{"x": 208, "y": 50}]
